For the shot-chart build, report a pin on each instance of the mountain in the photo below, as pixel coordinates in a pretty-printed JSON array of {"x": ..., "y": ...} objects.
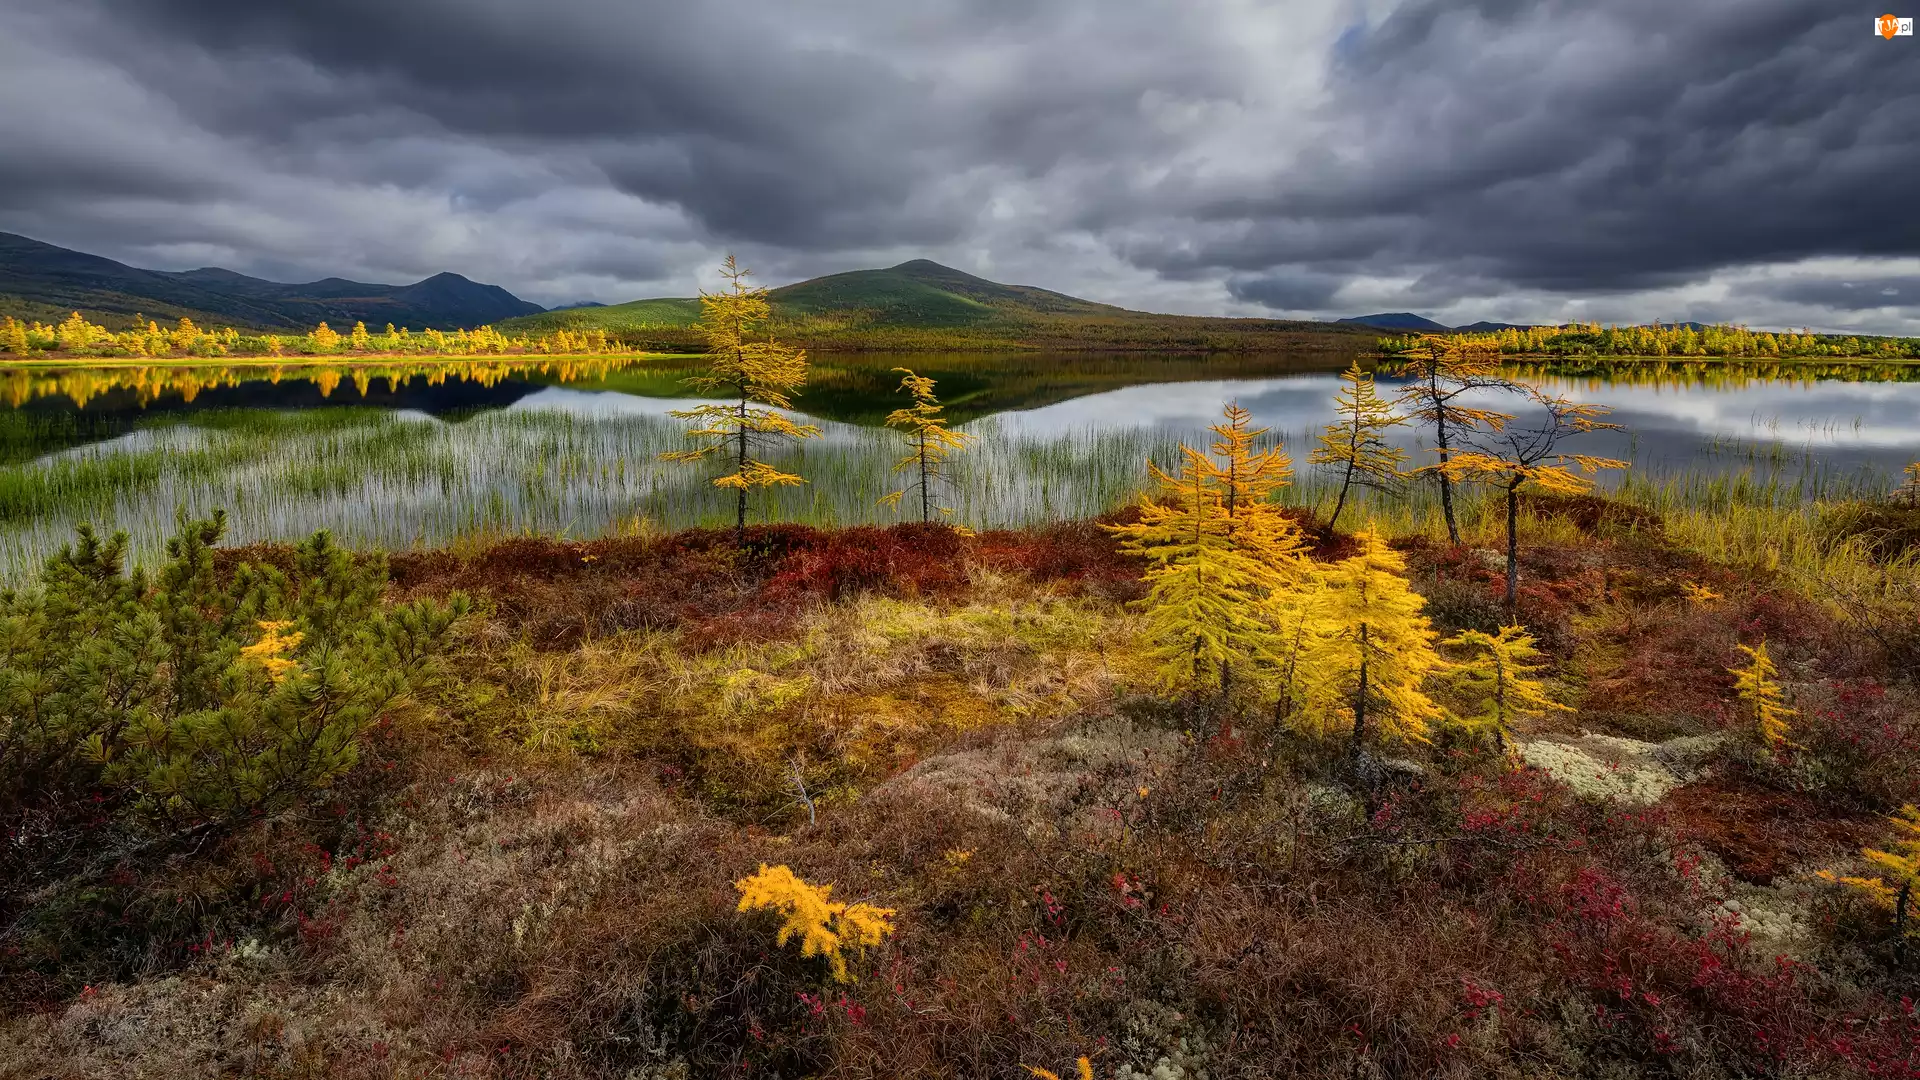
[
  {"x": 576, "y": 305},
  {"x": 45, "y": 282},
  {"x": 922, "y": 305},
  {"x": 1399, "y": 320},
  {"x": 1484, "y": 327}
]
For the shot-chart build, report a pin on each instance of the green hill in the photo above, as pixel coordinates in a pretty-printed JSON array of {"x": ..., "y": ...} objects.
[
  {"x": 664, "y": 313},
  {"x": 921, "y": 305},
  {"x": 42, "y": 282}
]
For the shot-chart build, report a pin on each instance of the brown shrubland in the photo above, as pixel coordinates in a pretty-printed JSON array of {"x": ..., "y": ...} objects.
[{"x": 531, "y": 873}]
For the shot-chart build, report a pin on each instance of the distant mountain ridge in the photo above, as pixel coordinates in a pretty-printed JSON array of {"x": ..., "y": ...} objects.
[
  {"x": 1408, "y": 321},
  {"x": 920, "y": 305},
  {"x": 44, "y": 281},
  {"x": 1397, "y": 320}
]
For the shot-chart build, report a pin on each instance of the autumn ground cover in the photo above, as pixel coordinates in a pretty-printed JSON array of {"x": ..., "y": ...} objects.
[{"x": 530, "y": 869}]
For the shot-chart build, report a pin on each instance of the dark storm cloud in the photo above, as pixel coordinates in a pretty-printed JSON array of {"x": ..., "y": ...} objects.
[
  {"x": 1316, "y": 156},
  {"x": 1588, "y": 147},
  {"x": 1287, "y": 288},
  {"x": 760, "y": 133},
  {"x": 1858, "y": 294}
]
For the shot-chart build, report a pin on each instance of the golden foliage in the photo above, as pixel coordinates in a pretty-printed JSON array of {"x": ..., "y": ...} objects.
[
  {"x": 1720, "y": 340},
  {"x": 930, "y": 442},
  {"x": 1370, "y": 649},
  {"x": 1531, "y": 455},
  {"x": 1498, "y": 676},
  {"x": 1221, "y": 557},
  {"x": 1204, "y": 593},
  {"x": 1758, "y": 686},
  {"x": 825, "y": 927},
  {"x": 1355, "y": 444},
  {"x": 1909, "y": 492},
  {"x": 271, "y": 651},
  {"x": 760, "y": 375},
  {"x": 1244, "y": 481},
  {"x": 77, "y": 336},
  {"x": 1699, "y": 595},
  {"x": 1083, "y": 1067},
  {"x": 1901, "y": 865}
]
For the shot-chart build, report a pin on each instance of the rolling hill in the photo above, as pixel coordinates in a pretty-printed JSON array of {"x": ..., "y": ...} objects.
[
  {"x": 1397, "y": 320},
  {"x": 922, "y": 305},
  {"x": 41, "y": 281}
]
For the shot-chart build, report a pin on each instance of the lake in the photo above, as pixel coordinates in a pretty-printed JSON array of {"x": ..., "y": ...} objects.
[{"x": 424, "y": 453}]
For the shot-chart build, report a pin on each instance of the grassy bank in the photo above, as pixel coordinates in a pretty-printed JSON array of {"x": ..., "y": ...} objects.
[
  {"x": 53, "y": 361},
  {"x": 531, "y": 869}
]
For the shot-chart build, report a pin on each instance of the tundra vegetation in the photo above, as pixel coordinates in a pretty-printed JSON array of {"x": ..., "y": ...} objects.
[{"x": 1205, "y": 787}]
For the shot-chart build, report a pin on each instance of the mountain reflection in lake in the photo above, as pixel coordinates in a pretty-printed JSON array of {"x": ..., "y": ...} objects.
[{"x": 427, "y": 454}]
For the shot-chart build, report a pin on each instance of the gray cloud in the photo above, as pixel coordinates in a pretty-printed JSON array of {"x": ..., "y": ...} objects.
[
  {"x": 1859, "y": 294},
  {"x": 1522, "y": 159}
]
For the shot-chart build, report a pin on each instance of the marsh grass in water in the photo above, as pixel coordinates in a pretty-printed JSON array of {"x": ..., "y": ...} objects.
[
  {"x": 396, "y": 480},
  {"x": 573, "y": 452}
]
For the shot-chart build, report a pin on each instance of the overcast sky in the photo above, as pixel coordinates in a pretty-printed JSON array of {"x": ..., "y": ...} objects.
[{"x": 1525, "y": 160}]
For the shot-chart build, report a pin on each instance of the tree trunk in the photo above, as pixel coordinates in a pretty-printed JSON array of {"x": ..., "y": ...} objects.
[
  {"x": 926, "y": 498},
  {"x": 1900, "y": 925},
  {"x": 1499, "y": 704},
  {"x": 1226, "y": 692},
  {"x": 1360, "y": 699},
  {"x": 1513, "y": 552},
  {"x": 1446, "y": 482},
  {"x": 1341, "y": 503},
  {"x": 740, "y": 520}
]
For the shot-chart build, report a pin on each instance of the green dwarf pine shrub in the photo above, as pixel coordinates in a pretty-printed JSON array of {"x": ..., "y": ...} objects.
[{"x": 190, "y": 697}]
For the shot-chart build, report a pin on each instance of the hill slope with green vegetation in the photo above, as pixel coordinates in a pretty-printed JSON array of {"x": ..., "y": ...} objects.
[
  {"x": 42, "y": 282},
  {"x": 924, "y": 305}
]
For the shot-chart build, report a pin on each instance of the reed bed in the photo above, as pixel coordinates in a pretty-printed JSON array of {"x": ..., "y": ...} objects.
[{"x": 587, "y": 465}]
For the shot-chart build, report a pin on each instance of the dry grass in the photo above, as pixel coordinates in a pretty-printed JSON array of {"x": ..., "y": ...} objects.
[{"x": 533, "y": 875}]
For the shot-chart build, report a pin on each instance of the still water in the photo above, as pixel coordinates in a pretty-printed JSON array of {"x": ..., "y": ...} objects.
[{"x": 427, "y": 453}]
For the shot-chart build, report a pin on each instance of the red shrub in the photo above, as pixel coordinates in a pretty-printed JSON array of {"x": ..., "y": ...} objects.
[{"x": 909, "y": 560}]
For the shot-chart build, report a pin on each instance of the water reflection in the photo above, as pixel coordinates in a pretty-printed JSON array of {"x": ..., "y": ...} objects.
[{"x": 420, "y": 454}]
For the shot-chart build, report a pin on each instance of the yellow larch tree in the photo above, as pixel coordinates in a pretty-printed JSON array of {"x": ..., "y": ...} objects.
[
  {"x": 184, "y": 335},
  {"x": 1529, "y": 456},
  {"x": 1356, "y": 445},
  {"x": 824, "y": 926},
  {"x": 1761, "y": 701},
  {"x": 1901, "y": 873},
  {"x": 1204, "y": 595},
  {"x": 360, "y": 339},
  {"x": 1908, "y": 492},
  {"x": 1440, "y": 372},
  {"x": 1244, "y": 479},
  {"x": 1298, "y": 617},
  {"x": 1498, "y": 675},
  {"x": 1372, "y": 651},
  {"x": 324, "y": 338},
  {"x": 13, "y": 336},
  {"x": 930, "y": 443},
  {"x": 75, "y": 333},
  {"x": 760, "y": 375}
]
